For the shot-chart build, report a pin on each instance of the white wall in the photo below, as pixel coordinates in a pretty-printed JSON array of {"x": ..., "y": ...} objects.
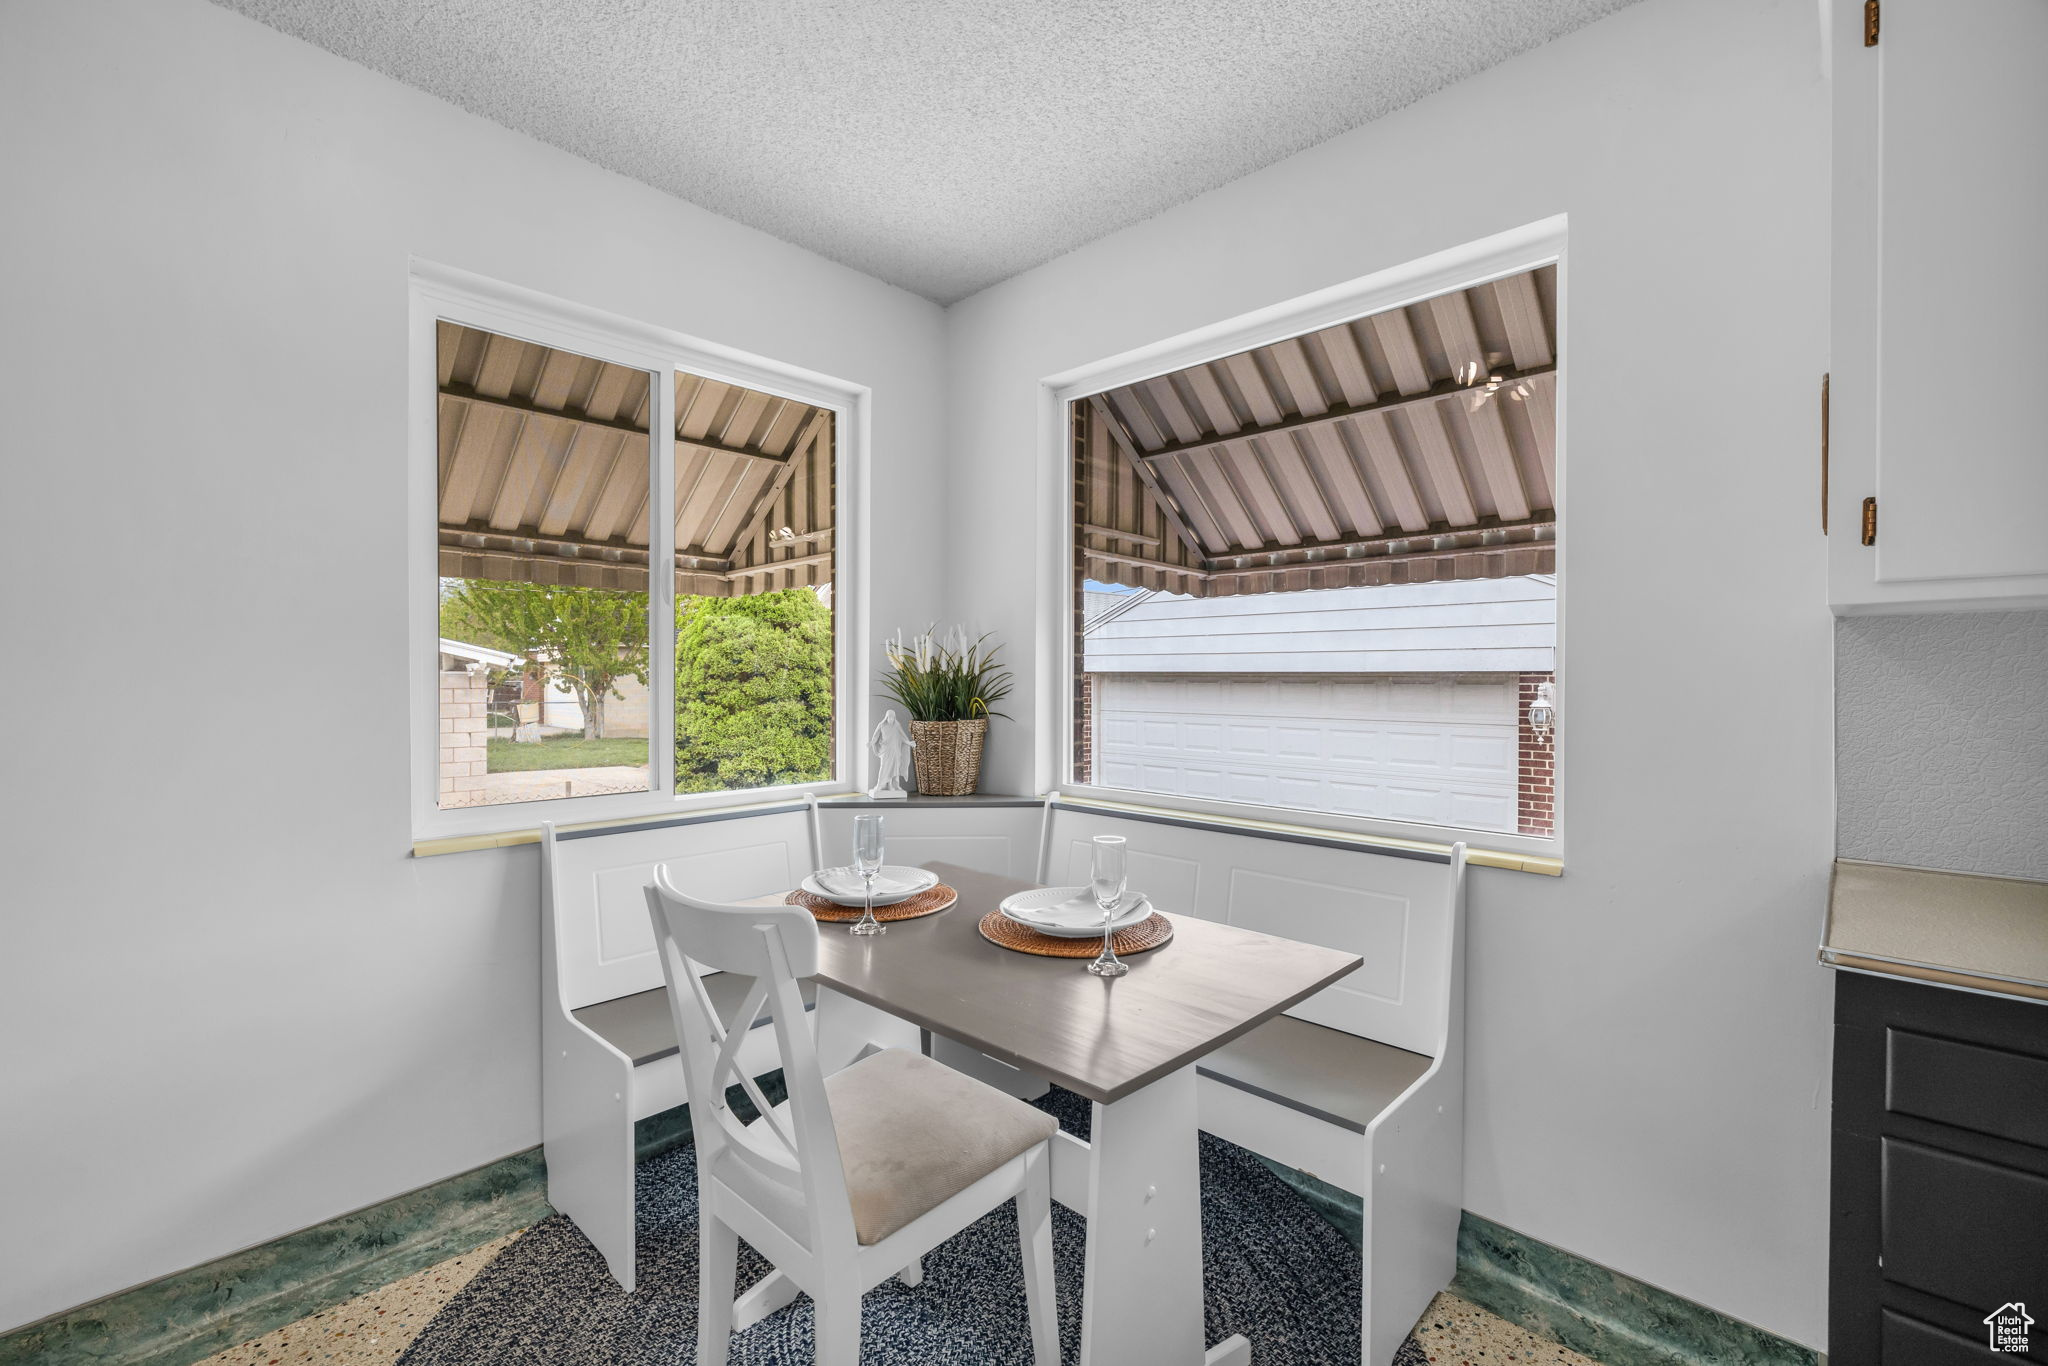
[
  {"x": 230, "y": 1004},
  {"x": 1650, "y": 1032}
]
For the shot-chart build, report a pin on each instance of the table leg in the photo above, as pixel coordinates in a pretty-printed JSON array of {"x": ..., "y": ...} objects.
[{"x": 1142, "y": 1286}]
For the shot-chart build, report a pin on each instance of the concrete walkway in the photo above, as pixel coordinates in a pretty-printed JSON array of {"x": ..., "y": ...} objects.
[{"x": 542, "y": 784}]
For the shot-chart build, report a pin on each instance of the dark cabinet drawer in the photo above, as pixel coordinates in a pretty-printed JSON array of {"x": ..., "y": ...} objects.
[
  {"x": 1909, "y": 1342},
  {"x": 1968, "y": 1231},
  {"x": 1991, "y": 1091},
  {"x": 1940, "y": 1181}
]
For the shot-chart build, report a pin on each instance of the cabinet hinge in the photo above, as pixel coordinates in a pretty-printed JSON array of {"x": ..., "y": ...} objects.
[
  {"x": 1824, "y": 455},
  {"x": 1870, "y": 521},
  {"x": 1870, "y": 23}
]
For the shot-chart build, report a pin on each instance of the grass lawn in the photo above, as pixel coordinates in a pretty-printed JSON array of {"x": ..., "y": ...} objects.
[{"x": 566, "y": 751}]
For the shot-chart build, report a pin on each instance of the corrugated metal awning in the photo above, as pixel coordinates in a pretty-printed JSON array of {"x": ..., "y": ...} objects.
[
  {"x": 543, "y": 474},
  {"x": 1413, "y": 445}
]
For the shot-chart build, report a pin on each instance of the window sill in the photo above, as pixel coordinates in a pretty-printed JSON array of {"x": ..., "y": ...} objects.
[{"x": 505, "y": 839}]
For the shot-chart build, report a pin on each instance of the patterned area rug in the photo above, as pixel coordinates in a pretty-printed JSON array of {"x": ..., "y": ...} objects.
[{"x": 1274, "y": 1271}]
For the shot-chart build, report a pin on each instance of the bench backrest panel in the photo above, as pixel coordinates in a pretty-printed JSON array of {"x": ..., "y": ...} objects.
[
  {"x": 1393, "y": 912},
  {"x": 604, "y": 941},
  {"x": 991, "y": 839}
]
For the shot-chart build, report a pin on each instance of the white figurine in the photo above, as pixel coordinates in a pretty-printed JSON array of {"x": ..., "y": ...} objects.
[{"x": 892, "y": 745}]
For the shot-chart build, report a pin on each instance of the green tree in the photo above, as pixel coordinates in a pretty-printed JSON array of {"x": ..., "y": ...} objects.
[
  {"x": 753, "y": 691},
  {"x": 588, "y": 638}
]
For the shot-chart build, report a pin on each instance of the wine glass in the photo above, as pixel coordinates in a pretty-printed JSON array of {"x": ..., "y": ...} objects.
[
  {"x": 867, "y": 861},
  {"x": 1107, "y": 879}
]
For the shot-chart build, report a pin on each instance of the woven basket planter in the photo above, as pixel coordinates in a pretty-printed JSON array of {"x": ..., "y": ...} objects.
[{"x": 948, "y": 755}]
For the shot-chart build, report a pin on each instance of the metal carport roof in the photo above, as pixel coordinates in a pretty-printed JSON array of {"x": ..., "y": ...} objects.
[{"x": 1412, "y": 445}]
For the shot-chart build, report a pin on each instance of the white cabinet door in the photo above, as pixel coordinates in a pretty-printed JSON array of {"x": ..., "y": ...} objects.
[{"x": 1941, "y": 304}]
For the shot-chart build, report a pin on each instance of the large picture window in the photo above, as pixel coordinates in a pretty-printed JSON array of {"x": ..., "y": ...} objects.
[
  {"x": 633, "y": 582},
  {"x": 1321, "y": 574}
]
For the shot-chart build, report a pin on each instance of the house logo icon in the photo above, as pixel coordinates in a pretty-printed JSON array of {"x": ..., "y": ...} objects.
[{"x": 2007, "y": 1326}]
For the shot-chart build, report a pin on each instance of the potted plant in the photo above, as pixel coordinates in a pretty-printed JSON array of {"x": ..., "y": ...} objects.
[{"x": 949, "y": 686}]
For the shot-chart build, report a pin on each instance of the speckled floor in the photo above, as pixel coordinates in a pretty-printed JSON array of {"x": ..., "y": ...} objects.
[
  {"x": 1455, "y": 1333},
  {"x": 374, "y": 1329},
  {"x": 371, "y": 1328}
]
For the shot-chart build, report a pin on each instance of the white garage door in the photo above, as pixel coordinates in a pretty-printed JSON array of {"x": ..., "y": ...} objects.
[{"x": 1435, "y": 749}]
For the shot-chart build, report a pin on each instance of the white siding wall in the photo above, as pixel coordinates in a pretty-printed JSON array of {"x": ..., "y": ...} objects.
[
  {"x": 1413, "y": 748},
  {"x": 1477, "y": 626}
]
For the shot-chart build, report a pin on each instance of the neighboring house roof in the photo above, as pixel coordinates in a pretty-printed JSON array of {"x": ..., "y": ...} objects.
[
  {"x": 1476, "y": 626},
  {"x": 477, "y": 654}
]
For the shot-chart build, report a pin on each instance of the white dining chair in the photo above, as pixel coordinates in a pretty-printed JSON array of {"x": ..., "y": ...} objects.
[{"x": 859, "y": 1174}]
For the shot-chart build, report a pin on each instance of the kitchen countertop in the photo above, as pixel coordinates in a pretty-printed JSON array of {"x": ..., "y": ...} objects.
[{"x": 1951, "y": 929}]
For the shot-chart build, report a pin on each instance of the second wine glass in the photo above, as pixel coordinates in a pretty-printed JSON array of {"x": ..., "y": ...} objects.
[{"x": 867, "y": 861}]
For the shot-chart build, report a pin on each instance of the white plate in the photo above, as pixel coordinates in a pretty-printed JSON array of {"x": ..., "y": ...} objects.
[
  {"x": 1070, "y": 912},
  {"x": 893, "y": 883}
]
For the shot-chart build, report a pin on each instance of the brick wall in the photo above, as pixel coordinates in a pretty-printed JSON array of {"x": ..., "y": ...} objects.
[
  {"x": 1535, "y": 784},
  {"x": 1084, "y": 728},
  {"x": 465, "y": 726}
]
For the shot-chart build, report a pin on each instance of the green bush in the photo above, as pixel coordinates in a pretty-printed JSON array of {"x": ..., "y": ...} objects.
[{"x": 753, "y": 691}]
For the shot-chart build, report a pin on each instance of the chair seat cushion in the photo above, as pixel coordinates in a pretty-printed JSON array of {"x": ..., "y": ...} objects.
[{"x": 913, "y": 1133}]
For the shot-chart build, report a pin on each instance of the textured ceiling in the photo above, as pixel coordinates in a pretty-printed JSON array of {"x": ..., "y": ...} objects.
[{"x": 942, "y": 145}]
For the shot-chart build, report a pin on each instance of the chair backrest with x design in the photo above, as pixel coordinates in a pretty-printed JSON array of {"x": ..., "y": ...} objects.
[{"x": 786, "y": 1164}]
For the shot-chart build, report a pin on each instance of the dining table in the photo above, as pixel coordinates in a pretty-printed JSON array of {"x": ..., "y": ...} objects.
[{"x": 1129, "y": 1045}]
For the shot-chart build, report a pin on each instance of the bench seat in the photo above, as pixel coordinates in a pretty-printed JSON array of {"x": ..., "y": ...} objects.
[
  {"x": 641, "y": 1027},
  {"x": 1323, "y": 1073}
]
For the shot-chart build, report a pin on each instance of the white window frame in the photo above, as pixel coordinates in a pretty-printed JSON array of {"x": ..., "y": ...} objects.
[
  {"x": 1508, "y": 253},
  {"x": 445, "y": 292}
]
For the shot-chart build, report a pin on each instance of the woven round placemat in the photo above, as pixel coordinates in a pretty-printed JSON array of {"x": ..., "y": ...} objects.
[
  {"x": 997, "y": 928},
  {"x": 930, "y": 901}
]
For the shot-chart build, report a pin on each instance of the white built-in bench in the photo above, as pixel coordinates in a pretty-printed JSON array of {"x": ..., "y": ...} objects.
[
  {"x": 1361, "y": 1085},
  {"x": 608, "y": 1044},
  {"x": 641, "y": 1027}
]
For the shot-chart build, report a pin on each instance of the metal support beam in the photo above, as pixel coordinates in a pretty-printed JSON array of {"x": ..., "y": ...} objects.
[
  {"x": 797, "y": 562},
  {"x": 1147, "y": 476},
  {"x": 462, "y": 393},
  {"x": 481, "y": 539},
  {"x": 1401, "y": 542},
  {"x": 1404, "y": 556},
  {"x": 814, "y": 430},
  {"x": 1341, "y": 413},
  {"x": 627, "y": 576},
  {"x": 1111, "y": 533}
]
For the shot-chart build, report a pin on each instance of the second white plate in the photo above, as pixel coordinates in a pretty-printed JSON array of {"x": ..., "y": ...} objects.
[{"x": 1070, "y": 912}]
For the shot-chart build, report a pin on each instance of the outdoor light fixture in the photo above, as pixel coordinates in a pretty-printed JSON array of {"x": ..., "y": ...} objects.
[
  {"x": 782, "y": 535},
  {"x": 1543, "y": 710}
]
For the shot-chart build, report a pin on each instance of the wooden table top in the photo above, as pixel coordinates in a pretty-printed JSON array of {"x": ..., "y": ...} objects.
[{"x": 1102, "y": 1038}]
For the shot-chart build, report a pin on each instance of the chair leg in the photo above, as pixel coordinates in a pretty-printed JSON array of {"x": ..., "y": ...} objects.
[
  {"x": 718, "y": 1261},
  {"x": 836, "y": 1325},
  {"x": 913, "y": 1274},
  {"x": 1034, "y": 1234}
]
